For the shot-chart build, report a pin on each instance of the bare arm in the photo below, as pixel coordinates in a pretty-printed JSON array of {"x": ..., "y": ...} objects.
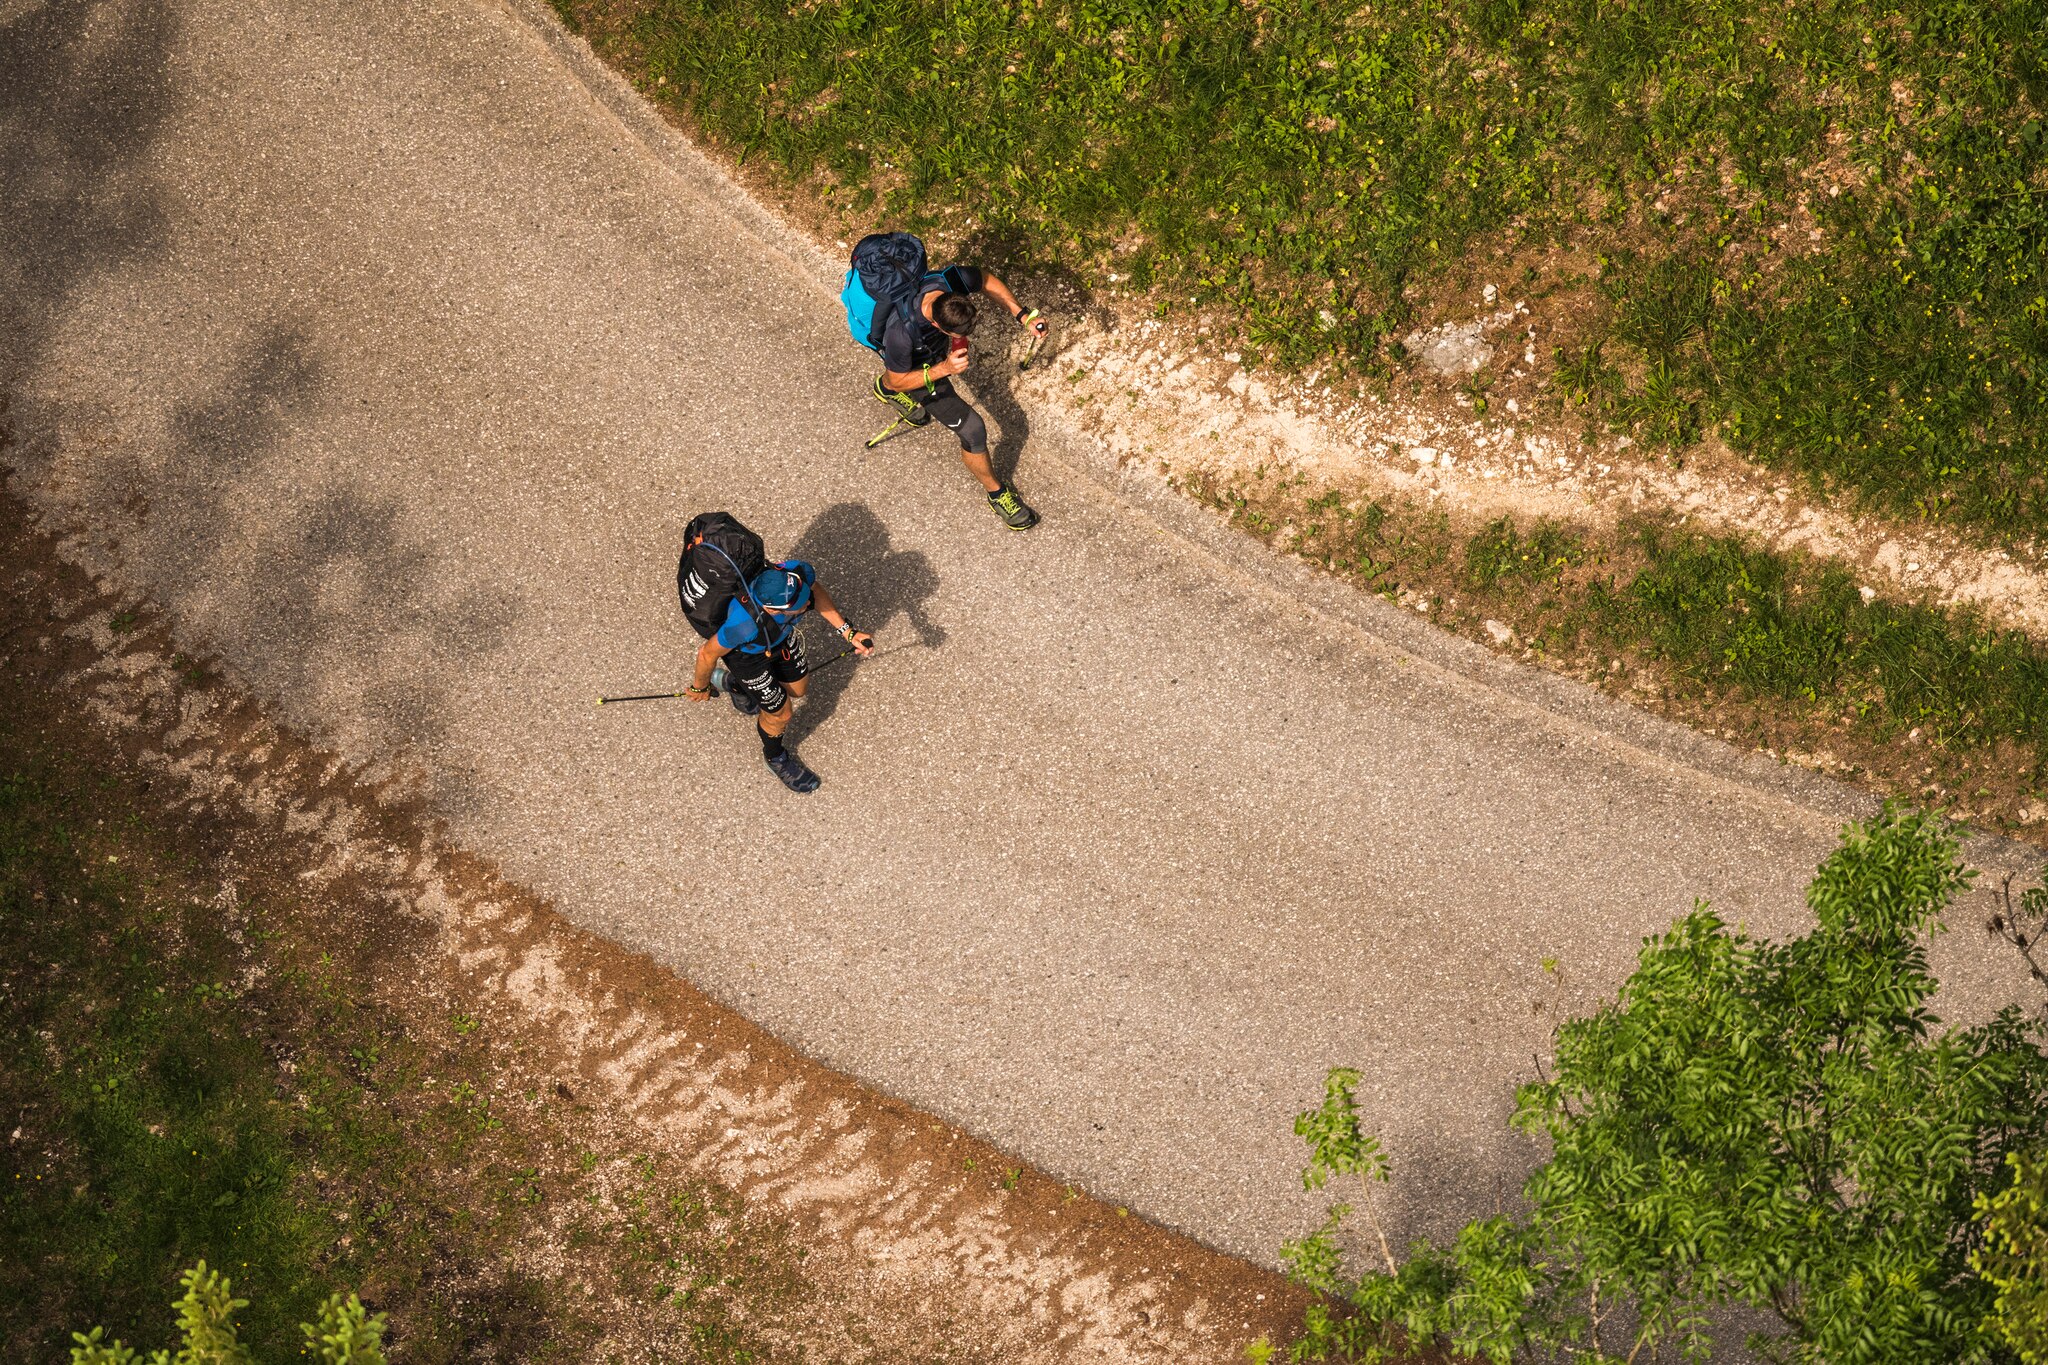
[
  {"x": 910, "y": 381},
  {"x": 708, "y": 655},
  {"x": 862, "y": 642},
  {"x": 992, "y": 286}
]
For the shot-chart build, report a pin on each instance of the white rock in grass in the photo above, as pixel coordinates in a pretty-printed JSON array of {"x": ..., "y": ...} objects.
[
  {"x": 1452, "y": 349},
  {"x": 1501, "y": 634}
]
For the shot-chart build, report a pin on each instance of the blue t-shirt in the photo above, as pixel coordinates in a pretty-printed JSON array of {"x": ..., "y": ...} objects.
[{"x": 742, "y": 632}]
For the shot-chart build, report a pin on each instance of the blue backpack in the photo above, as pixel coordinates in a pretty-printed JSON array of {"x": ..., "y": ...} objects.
[{"x": 889, "y": 275}]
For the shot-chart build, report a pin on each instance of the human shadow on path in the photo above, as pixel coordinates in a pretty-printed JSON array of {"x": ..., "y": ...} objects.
[
  {"x": 1064, "y": 297},
  {"x": 873, "y": 586}
]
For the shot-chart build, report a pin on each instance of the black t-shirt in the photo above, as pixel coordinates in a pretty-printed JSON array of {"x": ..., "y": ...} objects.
[{"x": 904, "y": 352}]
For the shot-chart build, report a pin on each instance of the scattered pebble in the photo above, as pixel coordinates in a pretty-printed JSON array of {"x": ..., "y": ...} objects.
[{"x": 1501, "y": 633}]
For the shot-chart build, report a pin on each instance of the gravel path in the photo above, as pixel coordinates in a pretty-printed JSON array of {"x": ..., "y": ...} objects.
[{"x": 389, "y": 347}]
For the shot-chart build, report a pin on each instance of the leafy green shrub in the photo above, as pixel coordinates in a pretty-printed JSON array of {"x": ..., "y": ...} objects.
[
  {"x": 346, "y": 1333},
  {"x": 2014, "y": 1258},
  {"x": 1779, "y": 1126}
]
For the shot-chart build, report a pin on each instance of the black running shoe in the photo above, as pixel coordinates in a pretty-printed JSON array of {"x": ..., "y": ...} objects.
[
  {"x": 742, "y": 701},
  {"x": 912, "y": 412},
  {"x": 793, "y": 773},
  {"x": 1015, "y": 512}
]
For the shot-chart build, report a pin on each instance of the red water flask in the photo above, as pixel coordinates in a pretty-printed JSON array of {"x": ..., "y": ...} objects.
[{"x": 958, "y": 349}]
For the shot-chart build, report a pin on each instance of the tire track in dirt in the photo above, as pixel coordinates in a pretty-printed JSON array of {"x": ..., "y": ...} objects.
[{"x": 910, "y": 1220}]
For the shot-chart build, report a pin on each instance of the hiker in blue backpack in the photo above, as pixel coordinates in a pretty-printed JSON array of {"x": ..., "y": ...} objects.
[
  {"x": 918, "y": 321},
  {"x": 764, "y": 661}
]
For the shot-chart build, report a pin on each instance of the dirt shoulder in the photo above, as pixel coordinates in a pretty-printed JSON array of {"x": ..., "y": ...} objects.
[{"x": 876, "y": 1231}]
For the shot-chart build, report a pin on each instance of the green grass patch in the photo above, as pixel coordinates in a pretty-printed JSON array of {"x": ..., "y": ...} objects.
[
  {"x": 1784, "y": 649},
  {"x": 194, "y": 1065},
  {"x": 1731, "y": 616},
  {"x": 1820, "y": 226},
  {"x": 150, "y": 1131}
]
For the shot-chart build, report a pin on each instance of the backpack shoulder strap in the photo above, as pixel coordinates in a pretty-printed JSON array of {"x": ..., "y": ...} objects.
[{"x": 739, "y": 592}]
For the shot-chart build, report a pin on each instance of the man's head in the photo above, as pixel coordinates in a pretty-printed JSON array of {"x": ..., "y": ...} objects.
[
  {"x": 783, "y": 589},
  {"x": 954, "y": 313}
]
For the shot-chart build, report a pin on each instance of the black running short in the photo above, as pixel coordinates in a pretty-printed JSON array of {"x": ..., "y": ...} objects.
[{"x": 761, "y": 676}]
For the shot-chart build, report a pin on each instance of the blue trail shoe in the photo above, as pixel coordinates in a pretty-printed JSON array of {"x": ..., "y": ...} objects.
[{"x": 793, "y": 773}]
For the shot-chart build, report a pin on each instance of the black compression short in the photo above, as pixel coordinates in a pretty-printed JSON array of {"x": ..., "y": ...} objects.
[{"x": 761, "y": 676}]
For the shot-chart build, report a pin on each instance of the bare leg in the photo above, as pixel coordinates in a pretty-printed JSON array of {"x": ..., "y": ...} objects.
[{"x": 978, "y": 465}]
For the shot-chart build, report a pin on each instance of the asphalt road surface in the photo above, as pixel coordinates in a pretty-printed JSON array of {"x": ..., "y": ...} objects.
[{"x": 391, "y": 349}]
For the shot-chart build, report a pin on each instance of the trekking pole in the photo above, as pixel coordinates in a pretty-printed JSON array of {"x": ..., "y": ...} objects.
[
  {"x": 1038, "y": 333},
  {"x": 644, "y": 696},
  {"x": 829, "y": 662},
  {"x": 715, "y": 688},
  {"x": 900, "y": 424}
]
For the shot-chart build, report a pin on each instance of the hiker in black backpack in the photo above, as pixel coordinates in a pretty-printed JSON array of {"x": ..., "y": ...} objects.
[
  {"x": 747, "y": 611},
  {"x": 919, "y": 321}
]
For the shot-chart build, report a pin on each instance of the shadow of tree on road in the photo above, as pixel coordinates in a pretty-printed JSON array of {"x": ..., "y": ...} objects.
[
  {"x": 310, "y": 580},
  {"x": 873, "y": 585},
  {"x": 84, "y": 92}
]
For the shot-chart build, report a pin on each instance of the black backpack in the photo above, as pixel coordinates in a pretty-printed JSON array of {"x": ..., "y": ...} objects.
[
  {"x": 887, "y": 277},
  {"x": 720, "y": 557}
]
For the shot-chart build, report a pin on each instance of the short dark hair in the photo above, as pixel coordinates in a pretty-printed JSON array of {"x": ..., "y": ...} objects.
[{"x": 954, "y": 313}]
